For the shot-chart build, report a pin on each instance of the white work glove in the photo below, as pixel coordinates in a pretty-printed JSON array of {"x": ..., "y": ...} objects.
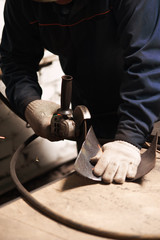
[
  {"x": 117, "y": 161},
  {"x": 38, "y": 114}
]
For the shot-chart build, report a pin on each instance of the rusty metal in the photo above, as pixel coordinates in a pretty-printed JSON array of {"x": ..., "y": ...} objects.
[{"x": 91, "y": 147}]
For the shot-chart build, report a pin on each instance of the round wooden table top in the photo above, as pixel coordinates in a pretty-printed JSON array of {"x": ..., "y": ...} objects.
[{"x": 131, "y": 209}]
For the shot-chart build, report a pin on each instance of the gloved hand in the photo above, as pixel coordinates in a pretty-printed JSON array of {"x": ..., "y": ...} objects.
[
  {"x": 118, "y": 160},
  {"x": 38, "y": 114}
]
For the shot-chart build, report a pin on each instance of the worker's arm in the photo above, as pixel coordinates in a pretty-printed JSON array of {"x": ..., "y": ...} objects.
[
  {"x": 21, "y": 51},
  {"x": 139, "y": 35},
  {"x": 138, "y": 30}
]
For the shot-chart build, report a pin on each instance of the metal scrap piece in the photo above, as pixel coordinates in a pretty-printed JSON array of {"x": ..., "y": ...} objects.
[
  {"x": 148, "y": 160},
  {"x": 91, "y": 147},
  {"x": 88, "y": 150}
]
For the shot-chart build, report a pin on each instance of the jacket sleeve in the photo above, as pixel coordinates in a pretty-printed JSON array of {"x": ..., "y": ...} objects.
[
  {"x": 138, "y": 24},
  {"x": 21, "y": 51}
]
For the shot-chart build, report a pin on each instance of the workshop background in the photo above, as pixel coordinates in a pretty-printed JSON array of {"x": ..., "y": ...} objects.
[{"x": 41, "y": 156}]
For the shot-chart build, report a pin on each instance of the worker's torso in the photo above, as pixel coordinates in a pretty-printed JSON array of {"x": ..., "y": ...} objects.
[{"x": 84, "y": 35}]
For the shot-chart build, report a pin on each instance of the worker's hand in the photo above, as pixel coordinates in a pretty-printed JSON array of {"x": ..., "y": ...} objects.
[
  {"x": 38, "y": 114},
  {"x": 117, "y": 161}
]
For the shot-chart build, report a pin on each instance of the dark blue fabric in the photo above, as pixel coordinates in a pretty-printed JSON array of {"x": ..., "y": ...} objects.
[{"x": 111, "y": 47}]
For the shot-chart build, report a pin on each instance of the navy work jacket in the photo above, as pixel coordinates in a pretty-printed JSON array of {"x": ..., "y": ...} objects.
[{"x": 110, "y": 47}]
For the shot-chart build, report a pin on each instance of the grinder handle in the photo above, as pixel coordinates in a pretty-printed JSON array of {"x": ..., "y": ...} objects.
[{"x": 66, "y": 92}]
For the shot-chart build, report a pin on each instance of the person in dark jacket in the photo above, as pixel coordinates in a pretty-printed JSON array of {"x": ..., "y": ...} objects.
[{"x": 112, "y": 50}]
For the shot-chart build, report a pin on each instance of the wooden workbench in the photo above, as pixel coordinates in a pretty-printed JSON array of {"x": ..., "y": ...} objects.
[{"x": 131, "y": 208}]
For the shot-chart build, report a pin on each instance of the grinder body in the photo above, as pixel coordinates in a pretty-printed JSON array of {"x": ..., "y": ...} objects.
[{"x": 66, "y": 123}]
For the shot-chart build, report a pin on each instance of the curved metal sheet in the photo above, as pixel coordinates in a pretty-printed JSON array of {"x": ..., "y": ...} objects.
[{"x": 91, "y": 147}]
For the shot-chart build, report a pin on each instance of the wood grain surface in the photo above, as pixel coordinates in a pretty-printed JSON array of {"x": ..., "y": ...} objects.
[{"x": 131, "y": 208}]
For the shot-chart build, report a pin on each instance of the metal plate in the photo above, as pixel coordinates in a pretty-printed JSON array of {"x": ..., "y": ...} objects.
[{"x": 91, "y": 147}]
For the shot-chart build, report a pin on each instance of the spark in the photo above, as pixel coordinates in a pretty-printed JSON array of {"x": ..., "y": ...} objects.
[
  {"x": 37, "y": 160},
  {"x": 100, "y": 147},
  {"x": 1, "y": 137}
]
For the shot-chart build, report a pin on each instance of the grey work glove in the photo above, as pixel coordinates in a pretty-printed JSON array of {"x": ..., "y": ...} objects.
[
  {"x": 117, "y": 161},
  {"x": 38, "y": 114}
]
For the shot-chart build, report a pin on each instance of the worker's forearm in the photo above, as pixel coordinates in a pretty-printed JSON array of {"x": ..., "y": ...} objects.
[
  {"x": 21, "y": 88},
  {"x": 21, "y": 51}
]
